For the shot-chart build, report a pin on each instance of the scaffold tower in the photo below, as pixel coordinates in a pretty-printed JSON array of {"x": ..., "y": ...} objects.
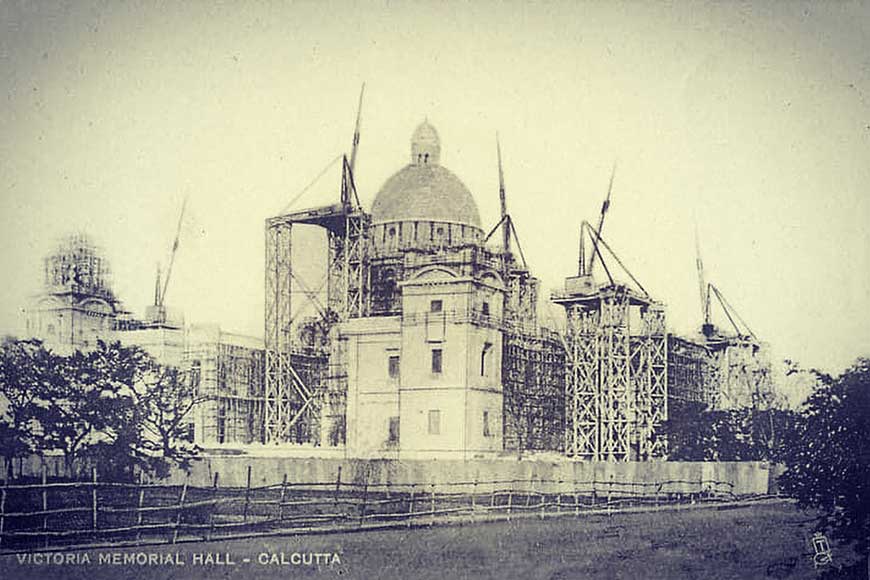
[
  {"x": 295, "y": 403},
  {"x": 616, "y": 369}
]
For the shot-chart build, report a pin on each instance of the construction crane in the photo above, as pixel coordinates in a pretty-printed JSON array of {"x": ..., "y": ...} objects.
[
  {"x": 352, "y": 204},
  {"x": 707, "y": 292},
  {"x": 707, "y": 327},
  {"x": 604, "y": 207},
  {"x": 355, "y": 145},
  {"x": 159, "y": 315},
  {"x": 506, "y": 223},
  {"x": 502, "y": 197}
]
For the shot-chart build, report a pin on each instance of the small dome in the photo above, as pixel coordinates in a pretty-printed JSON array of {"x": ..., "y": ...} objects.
[
  {"x": 78, "y": 262},
  {"x": 425, "y": 145}
]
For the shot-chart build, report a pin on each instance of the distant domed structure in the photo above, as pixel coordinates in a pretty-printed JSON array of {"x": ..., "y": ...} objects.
[
  {"x": 424, "y": 204},
  {"x": 76, "y": 306}
]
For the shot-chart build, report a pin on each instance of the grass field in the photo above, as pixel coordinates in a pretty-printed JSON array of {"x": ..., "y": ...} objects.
[{"x": 760, "y": 541}]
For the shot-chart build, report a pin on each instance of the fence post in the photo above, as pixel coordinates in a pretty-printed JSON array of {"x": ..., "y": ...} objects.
[
  {"x": 3, "y": 508},
  {"x": 529, "y": 491},
  {"x": 214, "y": 489},
  {"x": 577, "y": 498},
  {"x": 337, "y": 488},
  {"x": 283, "y": 497},
  {"x": 473, "y": 500},
  {"x": 510, "y": 500},
  {"x": 432, "y": 502},
  {"x": 594, "y": 490},
  {"x": 543, "y": 496},
  {"x": 411, "y": 504},
  {"x": 492, "y": 497},
  {"x": 362, "y": 511},
  {"x": 139, "y": 509},
  {"x": 94, "y": 495},
  {"x": 180, "y": 510},
  {"x": 44, "y": 502},
  {"x": 610, "y": 495},
  {"x": 247, "y": 495}
]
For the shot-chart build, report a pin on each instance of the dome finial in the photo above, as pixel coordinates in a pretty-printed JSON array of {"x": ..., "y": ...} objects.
[{"x": 425, "y": 145}]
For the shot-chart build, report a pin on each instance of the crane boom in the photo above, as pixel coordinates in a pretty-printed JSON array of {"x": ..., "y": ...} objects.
[
  {"x": 172, "y": 254},
  {"x": 502, "y": 197},
  {"x": 702, "y": 284},
  {"x": 604, "y": 207},
  {"x": 356, "y": 130}
]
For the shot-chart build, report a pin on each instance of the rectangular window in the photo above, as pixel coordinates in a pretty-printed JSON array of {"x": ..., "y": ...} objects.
[
  {"x": 436, "y": 306},
  {"x": 394, "y": 430},
  {"x": 394, "y": 366},
  {"x": 436, "y": 361},
  {"x": 434, "y": 422},
  {"x": 486, "y": 431},
  {"x": 484, "y": 308}
]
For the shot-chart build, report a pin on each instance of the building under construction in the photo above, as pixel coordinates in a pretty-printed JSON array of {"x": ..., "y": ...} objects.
[
  {"x": 77, "y": 307},
  {"x": 429, "y": 342}
]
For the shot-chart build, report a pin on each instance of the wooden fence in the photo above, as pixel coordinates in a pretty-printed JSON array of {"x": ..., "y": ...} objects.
[{"x": 54, "y": 515}]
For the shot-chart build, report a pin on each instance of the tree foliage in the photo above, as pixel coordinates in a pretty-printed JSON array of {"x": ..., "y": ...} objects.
[
  {"x": 164, "y": 401},
  {"x": 696, "y": 433},
  {"x": 26, "y": 372},
  {"x": 113, "y": 406},
  {"x": 828, "y": 455}
]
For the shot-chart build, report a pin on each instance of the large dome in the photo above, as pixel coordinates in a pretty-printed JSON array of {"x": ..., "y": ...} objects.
[{"x": 424, "y": 190}]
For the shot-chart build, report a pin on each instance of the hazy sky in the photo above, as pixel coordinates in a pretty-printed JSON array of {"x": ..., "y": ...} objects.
[{"x": 751, "y": 120}]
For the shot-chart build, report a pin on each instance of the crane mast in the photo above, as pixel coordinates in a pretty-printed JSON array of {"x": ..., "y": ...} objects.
[
  {"x": 703, "y": 288},
  {"x": 161, "y": 285}
]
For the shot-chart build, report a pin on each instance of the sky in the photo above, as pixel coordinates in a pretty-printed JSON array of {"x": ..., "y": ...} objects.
[{"x": 749, "y": 122}]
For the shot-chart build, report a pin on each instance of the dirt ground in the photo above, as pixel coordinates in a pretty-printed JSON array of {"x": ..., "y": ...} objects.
[{"x": 761, "y": 541}]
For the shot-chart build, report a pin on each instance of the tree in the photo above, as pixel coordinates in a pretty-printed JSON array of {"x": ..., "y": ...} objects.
[
  {"x": 113, "y": 406},
  {"x": 828, "y": 455},
  {"x": 89, "y": 410},
  {"x": 144, "y": 409},
  {"x": 696, "y": 433},
  {"x": 27, "y": 372},
  {"x": 164, "y": 401}
]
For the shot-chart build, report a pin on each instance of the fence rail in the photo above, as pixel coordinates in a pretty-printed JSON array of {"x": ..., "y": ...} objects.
[{"x": 65, "y": 514}]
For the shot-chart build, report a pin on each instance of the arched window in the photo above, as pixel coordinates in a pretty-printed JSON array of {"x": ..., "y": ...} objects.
[{"x": 484, "y": 359}]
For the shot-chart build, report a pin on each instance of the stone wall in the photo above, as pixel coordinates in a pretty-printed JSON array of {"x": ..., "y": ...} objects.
[{"x": 746, "y": 477}]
